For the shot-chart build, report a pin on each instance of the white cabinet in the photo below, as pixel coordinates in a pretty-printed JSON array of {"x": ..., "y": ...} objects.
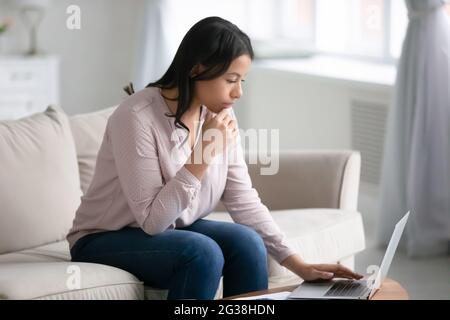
[{"x": 27, "y": 85}]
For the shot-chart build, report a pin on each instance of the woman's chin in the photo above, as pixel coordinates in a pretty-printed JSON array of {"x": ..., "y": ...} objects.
[
  {"x": 226, "y": 107},
  {"x": 220, "y": 108}
]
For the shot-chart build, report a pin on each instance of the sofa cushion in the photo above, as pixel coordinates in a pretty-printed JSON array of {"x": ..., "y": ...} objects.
[
  {"x": 318, "y": 235},
  {"x": 59, "y": 280},
  {"x": 88, "y": 131},
  {"x": 59, "y": 252},
  {"x": 39, "y": 180},
  {"x": 53, "y": 252}
]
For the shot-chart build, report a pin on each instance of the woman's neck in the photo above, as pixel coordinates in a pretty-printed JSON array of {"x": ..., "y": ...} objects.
[{"x": 170, "y": 96}]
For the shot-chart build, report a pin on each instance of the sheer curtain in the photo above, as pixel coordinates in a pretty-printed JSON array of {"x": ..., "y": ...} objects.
[
  {"x": 164, "y": 24},
  {"x": 416, "y": 169},
  {"x": 155, "y": 49}
]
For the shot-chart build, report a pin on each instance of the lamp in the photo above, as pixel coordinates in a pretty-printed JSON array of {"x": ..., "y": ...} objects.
[{"x": 32, "y": 12}]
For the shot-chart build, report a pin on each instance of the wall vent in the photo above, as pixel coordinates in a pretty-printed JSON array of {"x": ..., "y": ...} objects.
[{"x": 368, "y": 121}]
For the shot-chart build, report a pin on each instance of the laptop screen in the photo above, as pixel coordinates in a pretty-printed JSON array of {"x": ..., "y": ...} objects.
[{"x": 390, "y": 251}]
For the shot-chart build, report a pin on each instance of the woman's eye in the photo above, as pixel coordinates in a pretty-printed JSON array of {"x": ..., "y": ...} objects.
[{"x": 234, "y": 81}]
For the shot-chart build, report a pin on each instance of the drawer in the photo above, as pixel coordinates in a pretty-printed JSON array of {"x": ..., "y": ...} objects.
[{"x": 34, "y": 77}]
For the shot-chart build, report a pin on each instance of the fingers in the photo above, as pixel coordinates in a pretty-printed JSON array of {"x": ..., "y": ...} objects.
[
  {"x": 223, "y": 114},
  {"x": 347, "y": 273},
  {"x": 324, "y": 275},
  {"x": 227, "y": 120},
  {"x": 339, "y": 271},
  {"x": 209, "y": 115},
  {"x": 232, "y": 125}
]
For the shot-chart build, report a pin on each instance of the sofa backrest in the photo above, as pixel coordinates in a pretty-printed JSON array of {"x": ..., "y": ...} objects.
[
  {"x": 39, "y": 180},
  {"x": 305, "y": 179},
  {"x": 88, "y": 131}
]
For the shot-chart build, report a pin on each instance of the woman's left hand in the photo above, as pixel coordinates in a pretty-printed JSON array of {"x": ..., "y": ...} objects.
[
  {"x": 317, "y": 272},
  {"x": 314, "y": 272}
]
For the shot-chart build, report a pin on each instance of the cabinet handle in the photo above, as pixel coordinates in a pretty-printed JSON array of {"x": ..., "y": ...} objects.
[{"x": 21, "y": 76}]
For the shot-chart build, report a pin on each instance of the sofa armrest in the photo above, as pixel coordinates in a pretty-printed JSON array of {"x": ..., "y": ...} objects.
[
  {"x": 348, "y": 198},
  {"x": 308, "y": 179}
]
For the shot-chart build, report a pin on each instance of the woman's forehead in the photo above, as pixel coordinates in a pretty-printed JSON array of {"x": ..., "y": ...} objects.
[{"x": 240, "y": 66}]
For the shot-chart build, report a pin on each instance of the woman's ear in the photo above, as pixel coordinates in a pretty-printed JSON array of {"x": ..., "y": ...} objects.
[
  {"x": 198, "y": 68},
  {"x": 194, "y": 71}
]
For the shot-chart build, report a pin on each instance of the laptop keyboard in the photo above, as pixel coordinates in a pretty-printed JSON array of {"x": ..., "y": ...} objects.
[{"x": 346, "y": 288}]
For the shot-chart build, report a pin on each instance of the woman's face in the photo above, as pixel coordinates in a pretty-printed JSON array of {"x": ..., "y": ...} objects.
[{"x": 222, "y": 92}]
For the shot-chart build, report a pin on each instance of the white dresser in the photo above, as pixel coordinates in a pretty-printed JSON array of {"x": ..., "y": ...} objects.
[{"x": 27, "y": 85}]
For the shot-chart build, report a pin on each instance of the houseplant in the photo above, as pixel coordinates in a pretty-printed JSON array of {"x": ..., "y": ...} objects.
[{"x": 5, "y": 24}]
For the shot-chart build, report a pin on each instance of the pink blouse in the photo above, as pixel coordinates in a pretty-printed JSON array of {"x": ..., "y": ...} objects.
[{"x": 140, "y": 179}]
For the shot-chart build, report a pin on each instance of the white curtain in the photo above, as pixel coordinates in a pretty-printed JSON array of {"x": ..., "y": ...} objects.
[
  {"x": 155, "y": 49},
  {"x": 416, "y": 169}
]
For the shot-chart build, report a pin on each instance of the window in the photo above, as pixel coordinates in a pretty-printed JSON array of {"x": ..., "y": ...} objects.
[
  {"x": 447, "y": 9},
  {"x": 372, "y": 29},
  {"x": 351, "y": 27},
  {"x": 184, "y": 14},
  {"x": 399, "y": 22},
  {"x": 344, "y": 27},
  {"x": 369, "y": 29},
  {"x": 296, "y": 20}
]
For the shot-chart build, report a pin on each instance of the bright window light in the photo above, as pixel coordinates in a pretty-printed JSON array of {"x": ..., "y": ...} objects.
[
  {"x": 399, "y": 23},
  {"x": 184, "y": 14},
  {"x": 296, "y": 20},
  {"x": 447, "y": 9},
  {"x": 354, "y": 27},
  {"x": 372, "y": 29}
]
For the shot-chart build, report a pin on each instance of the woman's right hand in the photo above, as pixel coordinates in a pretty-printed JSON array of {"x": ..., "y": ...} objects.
[{"x": 219, "y": 132}]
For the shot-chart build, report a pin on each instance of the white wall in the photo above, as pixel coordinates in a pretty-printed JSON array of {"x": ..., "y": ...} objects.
[
  {"x": 96, "y": 61},
  {"x": 311, "y": 112}
]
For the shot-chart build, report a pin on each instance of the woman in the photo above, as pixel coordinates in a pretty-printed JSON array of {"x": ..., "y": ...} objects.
[{"x": 144, "y": 209}]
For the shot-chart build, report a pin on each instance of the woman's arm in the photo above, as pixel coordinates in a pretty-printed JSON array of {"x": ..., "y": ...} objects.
[
  {"x": 197, "y": 169},
  {"x": 155, "y": 204},
  {"x": 245, "y": 207}
]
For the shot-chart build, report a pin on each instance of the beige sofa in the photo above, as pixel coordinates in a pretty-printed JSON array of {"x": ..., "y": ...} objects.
[{"x": 48, "y": 159}]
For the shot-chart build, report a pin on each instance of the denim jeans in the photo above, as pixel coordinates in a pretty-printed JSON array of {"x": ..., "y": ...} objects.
[{"x": 187, "y": 261}]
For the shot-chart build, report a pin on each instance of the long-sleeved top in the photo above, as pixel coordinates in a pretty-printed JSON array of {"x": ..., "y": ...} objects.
[{"x": 140, "y": 179}]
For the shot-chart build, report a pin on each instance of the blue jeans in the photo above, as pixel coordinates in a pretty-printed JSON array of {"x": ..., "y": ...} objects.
[{"x": 187, "y": 261}]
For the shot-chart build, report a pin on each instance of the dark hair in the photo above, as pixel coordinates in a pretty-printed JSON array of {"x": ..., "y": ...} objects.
[{"x": 212, "y": 42}]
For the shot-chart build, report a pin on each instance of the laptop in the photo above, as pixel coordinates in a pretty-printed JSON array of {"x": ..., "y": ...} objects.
[{"x": 353, "y": 289}]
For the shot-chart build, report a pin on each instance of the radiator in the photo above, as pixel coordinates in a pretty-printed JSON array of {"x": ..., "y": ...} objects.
[{"x": 368, "y": 126}]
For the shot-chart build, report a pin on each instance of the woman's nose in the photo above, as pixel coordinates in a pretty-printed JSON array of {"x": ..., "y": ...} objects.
[{"x": 237, "y": 91}]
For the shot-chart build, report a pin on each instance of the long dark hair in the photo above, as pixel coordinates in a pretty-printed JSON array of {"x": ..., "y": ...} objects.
[{"x": 212, "y": 42}]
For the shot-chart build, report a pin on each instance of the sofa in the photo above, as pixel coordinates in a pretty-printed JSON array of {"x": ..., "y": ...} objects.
[{"x": 48, "y": 159}]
